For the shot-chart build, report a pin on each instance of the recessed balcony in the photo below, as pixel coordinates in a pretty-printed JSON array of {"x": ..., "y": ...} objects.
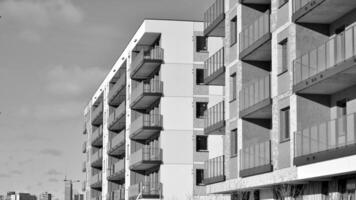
[
  {"x": 214, "y": 69},
  {"x": 145, "y": 159},
  {"x": 214, "y": 170},
  {"x": 84, "y": 147},
  {"x": 84, "y": 185},
  {"x": 320, "y": 11},
  {"x": 328, "y": 69},
  {"x": 117, "y": 144},
  {"x": 117, "y": 91},
  {"x": 214, "y": 123},
  {"x": 85, "y": 131},
  {"x": 329, "y": 140},
  {"x": 255, "y": 99},
  {"x": 145, "y": 94},
  {"x": 96, "y": 181},
  {"x": 84, "y": 167},
  {"x": 118, "y": 194},
  {"x": 147, "y": 190},
  {"x": 117, "y": 119},
  {"x": 97, "y": 159},
  {"x": 255, "y": 41},
  {"x": 214, "y": 20},
  {"x": 97, "y": 137},
  {"x": 97, "y": 114},
  {"x": 256, "y": 159},
  {"x": 117, "y": 171},
  {"x": 146, "y": 63},
  {"x": 146, "y": 126}
]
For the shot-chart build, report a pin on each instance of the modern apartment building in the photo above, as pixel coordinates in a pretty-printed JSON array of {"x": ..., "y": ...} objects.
[
  {"x": 144, "y": 126},
  {"x": 288, "y": 117}
]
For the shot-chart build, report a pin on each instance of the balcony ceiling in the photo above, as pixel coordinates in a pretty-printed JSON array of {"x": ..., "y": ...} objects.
[{"x": 147, "y": 39}]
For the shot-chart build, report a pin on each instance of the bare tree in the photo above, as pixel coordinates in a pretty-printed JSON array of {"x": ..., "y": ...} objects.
[{"x": 288, "y": 191}]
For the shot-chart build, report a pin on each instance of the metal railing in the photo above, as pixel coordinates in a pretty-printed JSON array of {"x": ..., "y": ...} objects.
[
  {"x": 147, "y": 153},
  {"x": 332, "y": 134},
  {"x": 256, "y": 155},
  {"x": 117, "y": 167},
  {"x": 333, "y": 52},
  {"x": 214, "y": 115},
  {"x": 146, "y": 187},
  {"x": 97, "y": 178},
  {"x": 118, "y": 194},
  {"x": 118, "y": 113},
  {"x": 155, "y": 86},
  {"x": 255, "y": 92},
  {"x": 98, "y": 155},
  {"x": 118, "y": 86},
  {"x": 255, "y": 31},
  {"x": 214, "y": 167},
  {"x": 98, "y": 110},
  {"x": 156, "y": 53},
  {"x": 214, "y": 63},
  {"x": 117, "y": 140},
  {"x": 147, "y": 120},
  {"x": 97, "y": 133},
  {"x": 213, "y": 12}
]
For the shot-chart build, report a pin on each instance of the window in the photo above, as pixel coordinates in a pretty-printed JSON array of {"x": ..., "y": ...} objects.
[
  {"x": 256, "y": 195},
  {"x": 233, "y": 31},
  {"x": 199, "y": 173},
  {"x": 233, "y": 87},
  {"x": 233, "y": 142},
  {"x": 282, "y": 2},
  {"x": 284, "y": 56},
  {"x": 341, "y": 107},
  {"x": 201, "y": 44},
  {"x": 200, "y": 109},
  {"x": 199, "y": 76},
  {"x": 284, "y": 124},
  {"x": 201, "y": 143}
]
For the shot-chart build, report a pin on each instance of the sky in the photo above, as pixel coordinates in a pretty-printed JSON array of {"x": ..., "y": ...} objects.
[{"x": 53, "y": 56}]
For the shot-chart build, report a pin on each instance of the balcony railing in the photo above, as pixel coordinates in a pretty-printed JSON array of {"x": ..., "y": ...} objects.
[
  {"x": 117, "y": 119},
  {"x": 255, "y": 36},
  {"x": 214, "y": 170},
  {"x": 254, "y": 97},
  {"x": 97, "y": 114},
  {"x": 97, "y": 159},
  {"x": 146, "y": 158},
  {"x": 117, "y": 144},
  {"x": 325, "y": 141},
  {"x": 84, "y": 147},
  {"x": 96, "y": 180},
  {"x": 146, "y": 62},
  {"x": 117, "y": 171},
  {"x": 145, "y": 94},
  {"x": 148, "y": 189},
  {"x": 118, "y": 194},
  {"x": 97, "y": 137},
  {"x": 214, "y": 123},
  {"x": 214, "y": 19},
  {"x": 145, "y": 126},
  {"x": 256, "y": 159},
  {"x": 84, "y": 166},
  {"x": 214, "y": 69},
  {"x": 334, "y": 56},
  {"x": 117, "y": 91}
]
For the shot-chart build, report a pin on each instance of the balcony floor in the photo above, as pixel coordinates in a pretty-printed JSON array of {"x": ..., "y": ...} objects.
[
  {"x": 216, "y": 28},
  {"x": 145, "y": 133},
  {"x": 216, "y": 78},
  {"x": 216, "y": 129},
  {"x": 260, "y": 50},
  {"x": 261, "y": 110},
  {"x": 145, "y": 100},
  {"x": 145, "y": 69},
  {"x": 330, "y": 81},
  {"x": 323, "y": 11},
  {"x": 213, "y": 180},
  {"x": 117, "y": 177},
  {"x": 144, "y": 165}
]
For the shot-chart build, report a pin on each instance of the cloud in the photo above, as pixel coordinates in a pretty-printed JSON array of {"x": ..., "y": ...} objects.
[
  {"x": 50, "y": 152},
  {"x": 42, "y": 13},
  {"x": 3, "y": 175},
  {"x": 53, "y": 172}
]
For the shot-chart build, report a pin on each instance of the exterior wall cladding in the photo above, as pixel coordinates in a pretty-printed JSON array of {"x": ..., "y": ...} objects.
[{"x": 280, "y": 119}]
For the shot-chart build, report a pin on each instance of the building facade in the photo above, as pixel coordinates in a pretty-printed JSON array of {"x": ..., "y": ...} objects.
[
  {"x": 68, "y": 190},
  {"x": 144, "y": 125},
  {"x": 45, "y": 196}
]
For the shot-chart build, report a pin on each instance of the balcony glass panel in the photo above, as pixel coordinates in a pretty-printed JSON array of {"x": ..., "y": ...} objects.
[
  {"x": 255, "y": 92},
  {"x": 96, "y": 179},
  {"x": 97, "y": 134},
  {"x": 117, "y": 87},
  {"x": 155, "y": 86},
  {"x": 147, "y": 153},
  {"x": 146, "y": 188},
  {"x": 215, "y": 115},
  {"x": 213, "y": 12},
  {"x": 214, "y": 63},
  {"x": 214, "y": 169},
  {"x": 98, "y": 155},
  {"x": 256, "y": 155},
  {"x": 118, "y": 167},
  {"x": 97, "y": 111},
  {"x": 117, "y": 140}
]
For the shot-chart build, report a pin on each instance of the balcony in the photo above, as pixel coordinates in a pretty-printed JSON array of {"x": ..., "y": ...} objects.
[
  {"x": 329, "y": 68},
  {"x": 214, "y": 123},
  {"x": 144, "y": 95},
  {"x": 97, "y": 159},
  {"x": 97, "y": 115},
  {"x": 255, "y": 2},
  {"x": 256, "y": 159},
  {"x": 117, "y": 91},
  {"x": 118, "y": 194},
  {"x": 255, "y": 41},
  {"x": 214, "y": 170},
  {"x": 214, "y": 20},
  {"x": 146, "y": 126},
  {"x": 255, "y": 99},
  {"x": 117, "y": 144},
  {"x": 320, "y": 11},
  {"x": 146, "y": 63},
  {"x": 84, "y": 167},
  {"x": 117, "y": 171},
  {"x": 214, "y": 69},
  {"x": 146, "y": 189},
  {"x": 85, "y": 131},
  {"x": 96, "y": 181},
  {"x": 84, "y": 147},
  {"x": 326, "y": 141},
  {"x": 97, "y": 137},
  {"x": 117, "y": 119},
  {"x": 84, "y": 185},
  {"x": 145, "y": 158}
]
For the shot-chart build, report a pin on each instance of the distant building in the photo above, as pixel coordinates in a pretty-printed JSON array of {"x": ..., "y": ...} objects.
[
  {"x": 79, "y": 197},
  {"x": 24, "y": 196},
  {"x": 68, "y": 190},
  {"x": 45, "y": 196}
]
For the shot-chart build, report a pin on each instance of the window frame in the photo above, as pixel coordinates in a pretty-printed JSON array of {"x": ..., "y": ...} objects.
[
  {"x": 233, "y": 143},
  {"x": 284, "y": 62},
  {"x": 233, "y": 87},
  {"x": 233, "y": 31},
  {"x": 284, "y": 124}
]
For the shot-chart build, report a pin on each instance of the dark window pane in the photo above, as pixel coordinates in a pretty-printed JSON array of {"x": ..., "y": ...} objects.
[
  {"x": 233, "y": 31},
  {"x": 200, "y": 76},
  {"x": 284, "y": 124},
  {"x": 201, "y": 44},
  {"x": 201, "y": 143},
  {"x": 233, "y": 142},
  {"x": 199, "y": 176},
  {"x": 200, "y": 109}
]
